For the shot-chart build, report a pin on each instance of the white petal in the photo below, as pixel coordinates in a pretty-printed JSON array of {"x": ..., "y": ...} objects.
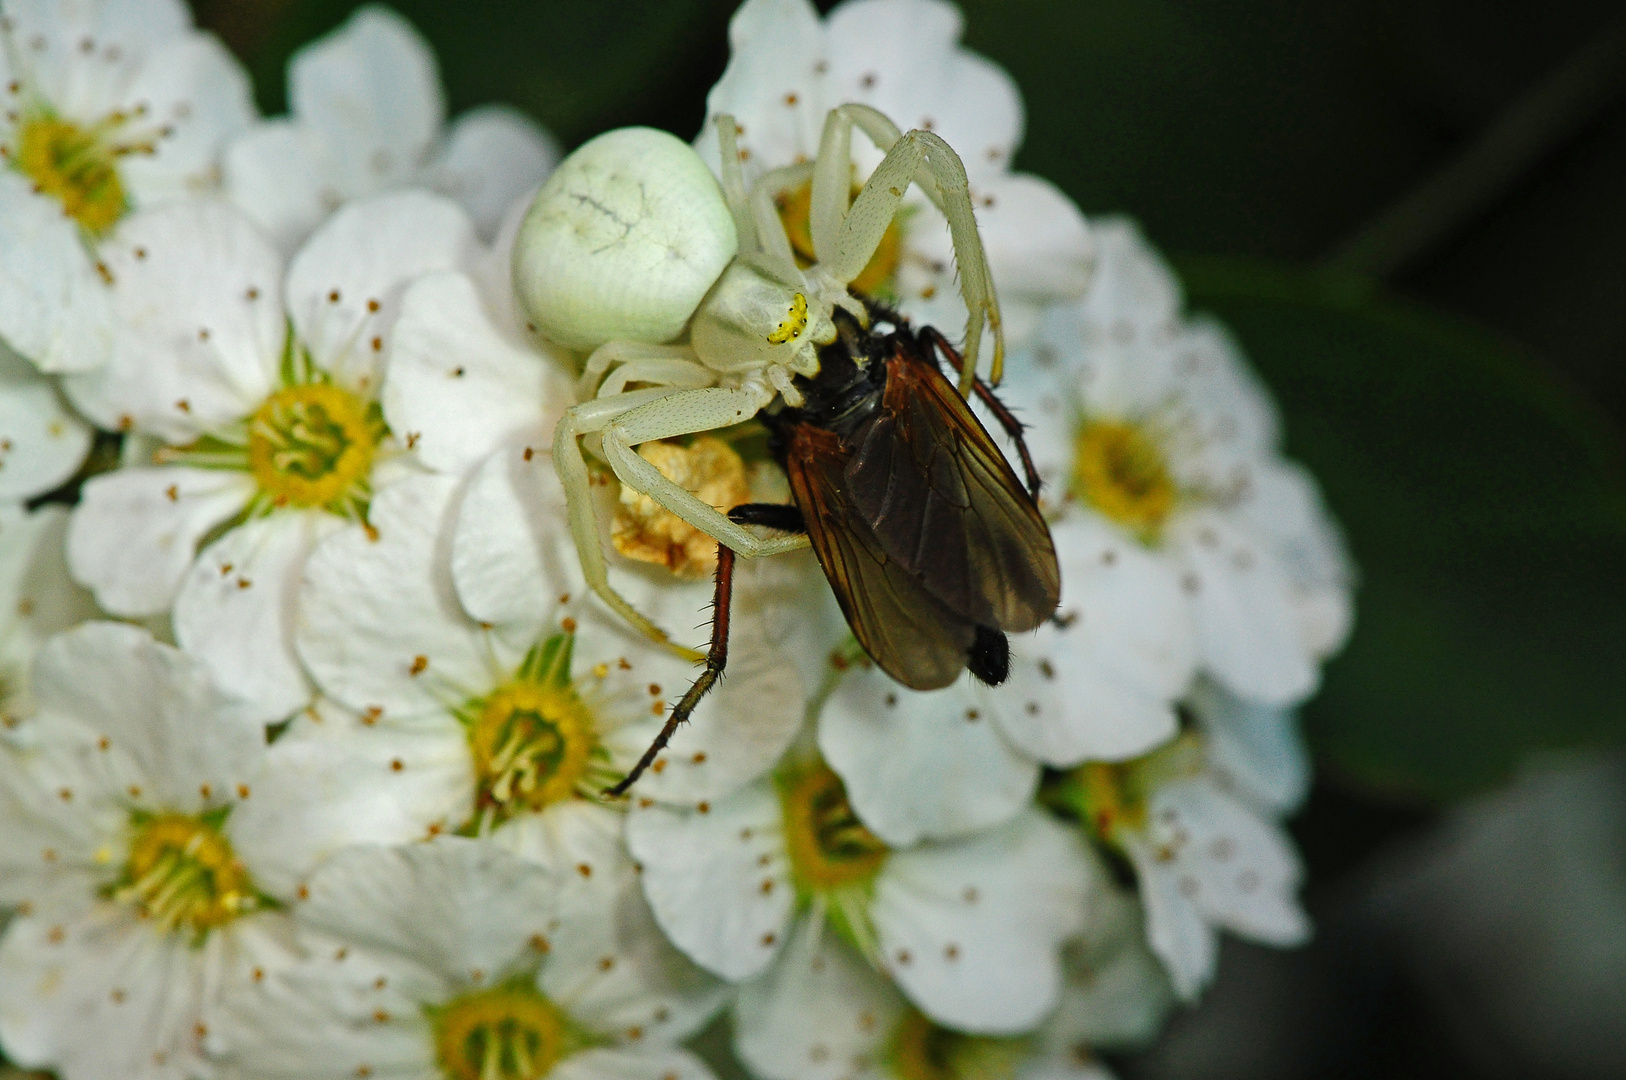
[
  {"x": 201, "y": 326},
  {"x": 198, "y": 93},
  {"x": 463, "y": 909},
  {"x": 36, "y": 589},
  {"x": 123, "y": 33},
  {"x": 371, "y": 89},
  {"x": 154, "y": 704},
  {"x": 1133, "y": 293},
  {"x": 1256, "y": 748},
  {"x": 619, "y": 1063},
  {"x": 1241, "y": 602},
  {"x": 772, "y": 86},
  {"x": 1236, "y": 868},
  {"x": 235, "y": 608},
  {"x": 1175, "y": 929},
  {"x": 1103, "y": 685},
  {"x": 42, "y": 441},
  {"x": 608, "y": 964},
  {"x": 276, "y": 173},
  {"x": 332, "y": 781},
  {"x": 512, "y": 556},
  {"x": 971, "y": 930},
  {"x": 460, "y": 384},
  {"x": 718, "y": 878},
  {"x": 920, "y": 765},
  {"x": 135, "y": 531},
  {"x": 319, "y": 1019},
  {"x": 142, "y": 993},
  {"x": 816, "y": 1014},
  {"x": 1116, "y": 994},
  {"x": 345, "y": 285},
  {"x": 491, "y": 156},
  {"x": 54, "y": 308},
  {"x": 373, "y": 608},
  {"x": 1284, "y": 507}
]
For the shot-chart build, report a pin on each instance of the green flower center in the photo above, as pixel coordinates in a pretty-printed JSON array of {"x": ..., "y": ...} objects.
[
  {"x": 509, "y": 1032},
  {"x": 313, "y": 445},
  {"x": 533, "y": 739},
  {"x": 1119, "y": 469},
  {"x": 76, "y": 166},
  {"x": 829, "y": 847},
  {"x": 183, "y": 874},
  {"x": 923, "y": 1051}
]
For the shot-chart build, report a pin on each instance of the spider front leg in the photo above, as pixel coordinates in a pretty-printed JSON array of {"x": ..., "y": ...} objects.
[
  {"x": 772, "y": 515},
  {"x": 845, "y": 238},
  {"x": 685, "y": 413}
]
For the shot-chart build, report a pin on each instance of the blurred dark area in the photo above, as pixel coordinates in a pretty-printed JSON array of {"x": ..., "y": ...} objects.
[{"x": 1413, "y": 215}]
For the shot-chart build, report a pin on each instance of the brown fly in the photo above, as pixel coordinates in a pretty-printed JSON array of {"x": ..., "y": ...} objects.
[{"x": 933, "y": 546}]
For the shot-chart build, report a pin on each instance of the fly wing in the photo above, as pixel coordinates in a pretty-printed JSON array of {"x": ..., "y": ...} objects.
[
  {"x": 911, "y": 634},
  {"x": 945, "y": 504}
]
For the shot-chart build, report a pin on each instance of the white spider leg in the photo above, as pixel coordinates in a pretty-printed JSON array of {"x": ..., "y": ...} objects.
[
  {"x": 684, "y": 413},
  {"x": 568, "y": 462},
  {"x": 681, "y": 374},
  {"x": 622, "y": 352},
  {"x": 728, "y": 148},
  {"x": 976, "y": 279},
  {"x": 780, "y": 258},
  {"x": 832, "y": 183}
]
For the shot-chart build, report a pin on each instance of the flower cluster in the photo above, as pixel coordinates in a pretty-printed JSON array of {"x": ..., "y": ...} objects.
[{"x": 310, "y": 699}]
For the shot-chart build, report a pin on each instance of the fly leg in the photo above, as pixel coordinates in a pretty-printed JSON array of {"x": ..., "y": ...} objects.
[
  {"x": 772, "y": 515},
  {"x": 946, "y": 355}
]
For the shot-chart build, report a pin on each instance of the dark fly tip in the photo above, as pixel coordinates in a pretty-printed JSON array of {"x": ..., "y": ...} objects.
[{"x": 989, "y": 658}]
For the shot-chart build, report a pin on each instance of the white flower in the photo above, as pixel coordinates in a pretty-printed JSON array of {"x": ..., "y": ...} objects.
[
  {"x": 1257, "y": 750},
  {"x": 788, "y": 68},
  {"x": 42, "y": 441},
  {"x": 970, "y": 930},
  {"x": 1156, "y": 435},
  {"x": 37, "y": 598},
  {"x": 367, "y": 115},
  {"x": 822, "y": 1013},
  {"x": 109, "y": 106},
  {"x": 135, "y": 905},
  {"x": 1205, "y": 859},
  {"x": 537, "y": 705},
  {"x": 448, "y": 960},
  {"x": 261, "y": 387}
]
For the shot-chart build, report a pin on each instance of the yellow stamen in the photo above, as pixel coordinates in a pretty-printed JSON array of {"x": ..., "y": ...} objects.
[
  {"x": 183, "y": 874},
  {"x": 646, "y": 531},
  {"x": 1120, "y": 470},
  {"x": 508, "y": 1032},
  {"x": 313, "y": 445},
  {"x": 923, "y": 1051},
  {"x": 74, "y": 166},
  {"x": 828, "y": 846}
]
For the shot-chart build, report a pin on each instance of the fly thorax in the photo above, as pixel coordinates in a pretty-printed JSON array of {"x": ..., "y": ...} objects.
[{"x": 648, "y": 532}]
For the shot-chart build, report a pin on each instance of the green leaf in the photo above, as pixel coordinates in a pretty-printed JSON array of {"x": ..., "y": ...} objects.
[{"x": 1486, "y": 508}]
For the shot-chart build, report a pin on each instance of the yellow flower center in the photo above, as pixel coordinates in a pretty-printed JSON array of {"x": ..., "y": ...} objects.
[
  {"x": 183, "y": 874},
  {"x": 879, "y": 274},
  {"x": 923, "y": 1051},
  {"x": 1112, "y": 797},
  {"x": 313, "y": 445},
  {"x": 533, "y": 739},
  {"x": 646, "y": 531},
  {"x": 508, "y": 1032},
  {"x": 828, "y": 846},
  {"x": 74, "y": 166},
  {"x": 1120, "y": 470}
]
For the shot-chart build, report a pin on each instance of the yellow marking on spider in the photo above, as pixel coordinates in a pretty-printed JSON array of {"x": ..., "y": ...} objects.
[{"x": 795, "y": 321}]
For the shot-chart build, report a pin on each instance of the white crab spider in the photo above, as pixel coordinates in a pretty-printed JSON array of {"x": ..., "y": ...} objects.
[{"x": 622, "y": 248}]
